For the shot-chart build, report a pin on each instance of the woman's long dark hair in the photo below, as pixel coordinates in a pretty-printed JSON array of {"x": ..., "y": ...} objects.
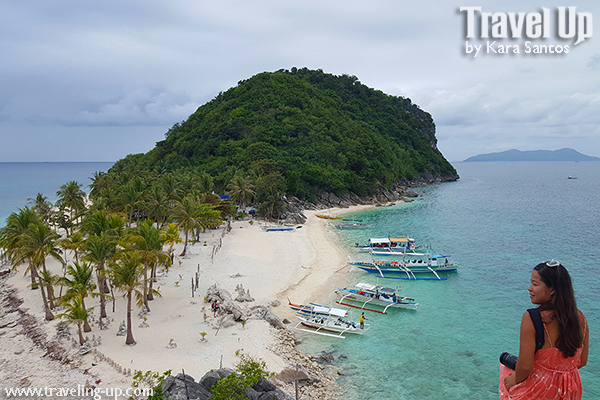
[{"x": 564, "y": 307}]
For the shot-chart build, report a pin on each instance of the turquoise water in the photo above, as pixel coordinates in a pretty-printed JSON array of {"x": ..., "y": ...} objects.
[
  {"x": 22, "y": 181},
  {"x": 498, "y": 221}
]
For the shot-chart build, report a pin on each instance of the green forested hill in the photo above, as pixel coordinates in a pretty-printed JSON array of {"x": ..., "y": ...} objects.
[{"x": 308, "y": 131}]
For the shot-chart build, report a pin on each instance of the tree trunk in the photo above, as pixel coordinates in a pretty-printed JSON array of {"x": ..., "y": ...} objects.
[
  {"x": 130, "y": 339},
  {"x": 152, "y": 280},
  {"x": 34, "y": 275},
  {"x": 49, "y": 315},
  {"x": 184, "y": 244},
  {"x": 145, "y": 293},
  {"x": 81, "y": 340},
  {"x": 86, "y": 325}
]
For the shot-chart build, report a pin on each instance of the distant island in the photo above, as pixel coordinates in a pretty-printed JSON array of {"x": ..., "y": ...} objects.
[{"x": 533, "y": 155}]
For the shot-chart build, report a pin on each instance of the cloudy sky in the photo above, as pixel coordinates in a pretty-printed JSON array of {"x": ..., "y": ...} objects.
[{"x": 95, "y": 81}]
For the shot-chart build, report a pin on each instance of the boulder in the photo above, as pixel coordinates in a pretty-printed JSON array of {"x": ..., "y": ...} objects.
[
  {"x": 226, "y": 303},
  {"x": 183, "y": 387},
  {"x": 213, "y": 376},
  {"x": 262, "y": 312}
]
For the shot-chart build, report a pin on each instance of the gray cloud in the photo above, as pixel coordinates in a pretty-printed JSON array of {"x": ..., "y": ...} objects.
[{"x": 119, "y": 74}]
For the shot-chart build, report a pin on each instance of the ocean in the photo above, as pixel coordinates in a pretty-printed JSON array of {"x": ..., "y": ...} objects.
[
  {"x": 497, "y": 222},
  {"x": 21, "y": 181}
]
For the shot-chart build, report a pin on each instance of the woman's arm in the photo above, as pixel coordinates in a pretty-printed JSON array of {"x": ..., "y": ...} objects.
[
  {"x": 526, "y": 353},
  {"x": 586, "y": 342}
]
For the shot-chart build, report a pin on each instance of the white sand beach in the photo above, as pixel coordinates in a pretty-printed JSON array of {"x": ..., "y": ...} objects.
[{"x": 301, "y": 265}]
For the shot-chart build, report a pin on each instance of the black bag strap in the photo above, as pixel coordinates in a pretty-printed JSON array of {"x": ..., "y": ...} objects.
[{"x": 536, "y": 318}]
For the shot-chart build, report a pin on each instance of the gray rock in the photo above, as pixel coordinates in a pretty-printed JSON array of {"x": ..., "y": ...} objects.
[
  {"x": 325, "y": 359},
  {"x": 262, "y": 312},
  {"x": 213, "y": 376},
  {"x": 290, "y": 374},
  {"x": 183, "y": 387}
]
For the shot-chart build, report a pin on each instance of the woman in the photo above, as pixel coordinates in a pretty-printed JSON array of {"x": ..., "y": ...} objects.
[{"x": 553, "y": 371}]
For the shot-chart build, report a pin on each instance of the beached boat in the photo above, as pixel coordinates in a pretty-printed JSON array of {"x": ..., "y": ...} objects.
[
  {"x": 389, "y": 246},
  {"x": 317, "y": 309},
  {"x": 409, "y": 266},
  {"x": 328, "y": 216},
  {"x": 369, "y": 295},
  {"x": 332, "y": 323},
  {"x": 277, "y": 228}
]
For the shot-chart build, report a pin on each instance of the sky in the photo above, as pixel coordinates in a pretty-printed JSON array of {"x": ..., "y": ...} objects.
[{"x": 95, "y": 81}]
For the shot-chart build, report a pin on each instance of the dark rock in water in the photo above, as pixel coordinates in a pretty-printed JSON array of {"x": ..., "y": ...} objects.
[
  {"x": 183, "y": 387},
  {"x": 325, "y": 359},
  {"x": 343, "y": 357},
  {"x": 411, "y": 194}
]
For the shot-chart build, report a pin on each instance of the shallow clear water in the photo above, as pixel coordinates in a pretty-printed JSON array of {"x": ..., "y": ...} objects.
[{"x": 498, "y": 221}]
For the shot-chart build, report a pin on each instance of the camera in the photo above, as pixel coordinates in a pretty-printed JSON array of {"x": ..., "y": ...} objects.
[{"x": 509, "y": 360}]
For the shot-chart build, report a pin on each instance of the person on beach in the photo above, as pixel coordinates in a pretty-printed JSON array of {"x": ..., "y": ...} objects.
[
  {"x": 552, "y": 372},
  {"x": 215, "y": 308},
  {"x": 362, "y": 321}
]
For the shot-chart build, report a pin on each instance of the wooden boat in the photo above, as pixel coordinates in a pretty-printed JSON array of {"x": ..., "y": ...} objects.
[
  {"x": 368, "y": 294},
  {"x": 327, "y": 216},
  {"x": 389, "y": 246},
  {"x": 317, "y": 309},
  {"x": 352, "y": 225},
  {"x": 332, "y": 323},
  {"x": 410, "y": 266},
  {"x": 277, "y": 228}
]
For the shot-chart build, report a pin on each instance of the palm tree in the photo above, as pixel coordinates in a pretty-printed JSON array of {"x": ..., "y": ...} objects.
[
  {"x": 37, "y": 243},
  {"x": 130, "y": 197},
  {"x": 170, "y": 234},
  {"x": 185, "y": 215},
  {"x": 48, "y": 281},
  {"x": 11, "y": 236},
  {"x": 157, "y": 205},
  {"x": 74, "y": 242},
  {"x": 171, "y": 187},
  {"x": 77, "y": 313},
  {"x": 79, "y": 285},
  {"x": 71, "y": 197},
  {"x": 205, "y": 183},
  {"x": 42, "y": 206},
  {"x": 102, "y": 221},
  {"x": 241, "y": 190},
  {"x": 100, "y": 250},
  {"x": 148, "y": 242},
  {"x": 126, "y": 275}
]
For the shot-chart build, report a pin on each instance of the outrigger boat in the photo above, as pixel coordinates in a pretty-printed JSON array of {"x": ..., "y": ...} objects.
[
  {"x": 277, "y": 228},
  {"x": 352, "y": 225},
  {"x": 389, "y": 246},
  {"x": 329, "y": 324},
  {"x": 377, "y": 295},
  {"x": 432, "y": 264},
  {"x": 317, "y": 309}
]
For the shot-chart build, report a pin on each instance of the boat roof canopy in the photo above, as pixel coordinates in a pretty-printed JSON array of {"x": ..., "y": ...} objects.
[
  {"x": 370, "y": 287},
  {"x": 338, "y": 312},
  {"x": 390, "y": 240}
]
